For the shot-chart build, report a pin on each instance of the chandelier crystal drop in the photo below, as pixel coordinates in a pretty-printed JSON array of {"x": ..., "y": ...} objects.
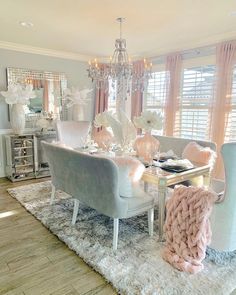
[{"x": 120, "y": 73}]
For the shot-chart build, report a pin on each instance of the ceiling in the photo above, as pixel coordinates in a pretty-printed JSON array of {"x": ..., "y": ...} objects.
[{"x": 87, "y": 28}]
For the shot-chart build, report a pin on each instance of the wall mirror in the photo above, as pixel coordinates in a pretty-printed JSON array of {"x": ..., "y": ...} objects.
[{"x": 48, "y": 87}]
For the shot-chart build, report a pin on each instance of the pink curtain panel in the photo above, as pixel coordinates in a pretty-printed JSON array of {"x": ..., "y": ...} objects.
[{"x": 173, "y": 68}]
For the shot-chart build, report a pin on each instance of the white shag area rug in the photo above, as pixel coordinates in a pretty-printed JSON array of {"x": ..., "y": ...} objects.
[{"x": 137, "y": 267}]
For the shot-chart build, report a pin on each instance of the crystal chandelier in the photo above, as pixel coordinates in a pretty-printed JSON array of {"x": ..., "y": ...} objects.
[{"x": 120, "y": 72}]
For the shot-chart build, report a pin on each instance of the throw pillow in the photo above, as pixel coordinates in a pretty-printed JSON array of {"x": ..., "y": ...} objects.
[
  {"x": 199, "y": 154},
  {"x": 130, "y": 172}
]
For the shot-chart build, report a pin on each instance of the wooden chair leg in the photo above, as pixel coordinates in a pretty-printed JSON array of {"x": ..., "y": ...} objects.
[
  {"x": 150, "y": 221},
  {"x": 115, "y": 233},
  {"x": 75, "y": 211},
  {"x": 52, "y": 194}
]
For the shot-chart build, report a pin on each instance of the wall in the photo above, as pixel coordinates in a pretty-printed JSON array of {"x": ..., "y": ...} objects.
[{"x": 75, "y": 71}]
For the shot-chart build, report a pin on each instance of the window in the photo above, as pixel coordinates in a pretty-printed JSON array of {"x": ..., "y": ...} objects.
[
  {"x": 230, "y": 134},
  {"x": 156, "y": 92},
  {"x": 196, "y": 93}
]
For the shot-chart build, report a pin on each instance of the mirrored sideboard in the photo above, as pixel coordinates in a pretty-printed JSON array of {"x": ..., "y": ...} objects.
[{"x": 25, "y": 158}]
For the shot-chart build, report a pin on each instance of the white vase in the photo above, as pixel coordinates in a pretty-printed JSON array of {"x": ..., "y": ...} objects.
[{"x": 17, "y": 118}]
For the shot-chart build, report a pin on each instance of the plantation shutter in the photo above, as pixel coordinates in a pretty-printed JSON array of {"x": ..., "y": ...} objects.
[
  {"x": 156, "y": 92},
  {"x": 196, "y": 94}
]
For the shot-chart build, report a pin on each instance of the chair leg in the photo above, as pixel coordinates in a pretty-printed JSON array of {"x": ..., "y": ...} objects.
[
  {"x": 75, "y": 211},
  {"x": 145, "y": 187},
  {"x": 115, "y": 233},
  {"x": 150, "y": 221},
  {"x": 52, "y": 194}
]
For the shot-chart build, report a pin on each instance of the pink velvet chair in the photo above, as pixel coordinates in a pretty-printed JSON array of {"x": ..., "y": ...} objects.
[{"x": 73, "y": 133}]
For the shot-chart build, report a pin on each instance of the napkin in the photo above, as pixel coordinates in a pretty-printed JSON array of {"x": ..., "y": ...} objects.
[{"x": 185, "y": 163}]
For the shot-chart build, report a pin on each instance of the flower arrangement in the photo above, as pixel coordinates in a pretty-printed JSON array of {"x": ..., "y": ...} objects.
[
  {"x": 18, "y": 94},
  {"x": 45, "y": 121},
  {"x": 103, "y": 138},
  {"x": 43, "y": 124},
  {"x": 147, "y": 146},
  {"x": 74, "y": 96},
  {"x": 149, "y": 120},
  {"x": 101, "y": 120},
  {"x": 122, "y": 128}
]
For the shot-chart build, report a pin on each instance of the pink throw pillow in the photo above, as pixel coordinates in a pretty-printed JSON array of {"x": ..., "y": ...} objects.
[
  {"x": 130, "y": 172},
  {"x": 196, "y": 153},
  {"x": 135, "y": 167}
]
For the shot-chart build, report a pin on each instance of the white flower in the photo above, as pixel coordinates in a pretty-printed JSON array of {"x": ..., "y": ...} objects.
[
  {"x": 76, "y": 96},
  {"x": 101, "y": 120},
  {"x": 17, "y": 93},
  {"x": 122, "y": 128},
  {"x": 149, "y": 120},
  {"x": 42, "y": 123}
]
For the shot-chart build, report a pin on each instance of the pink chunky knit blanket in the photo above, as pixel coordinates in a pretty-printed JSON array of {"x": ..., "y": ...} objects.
[{"x": 187, "y": 228}]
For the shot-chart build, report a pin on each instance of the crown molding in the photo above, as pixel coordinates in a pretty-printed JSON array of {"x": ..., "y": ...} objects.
[
  {"x": 209, "y": 41},
  {"x": 153, "y": 55},
  {"x": 43, "y": 51}
]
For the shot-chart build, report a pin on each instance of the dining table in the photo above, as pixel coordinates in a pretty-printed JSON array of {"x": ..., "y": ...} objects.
[{"x": 164, "y": 179}]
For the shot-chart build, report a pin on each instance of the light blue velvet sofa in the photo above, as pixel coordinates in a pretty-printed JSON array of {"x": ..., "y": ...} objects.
[
  {"x": 177, "y": 144},
  {"x": 94, "y": 182}
]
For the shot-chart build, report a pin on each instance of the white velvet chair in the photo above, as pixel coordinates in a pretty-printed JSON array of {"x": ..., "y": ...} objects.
[
  {"x": 73, "y": 133},
  {"x": 223, "y": 217}
]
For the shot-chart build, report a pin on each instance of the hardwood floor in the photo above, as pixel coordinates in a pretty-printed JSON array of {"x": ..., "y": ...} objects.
[{"x": 34, "y": 261}]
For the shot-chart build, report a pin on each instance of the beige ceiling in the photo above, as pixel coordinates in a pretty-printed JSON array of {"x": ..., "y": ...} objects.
[{"x": 88, "y": 27}]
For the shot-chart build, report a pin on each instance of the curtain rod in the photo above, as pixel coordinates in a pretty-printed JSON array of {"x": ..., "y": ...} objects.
[{"x": 188, "y": 53}]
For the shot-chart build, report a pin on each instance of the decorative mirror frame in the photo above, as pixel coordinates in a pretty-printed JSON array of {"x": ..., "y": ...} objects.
[{"x": 20, "y": 75}]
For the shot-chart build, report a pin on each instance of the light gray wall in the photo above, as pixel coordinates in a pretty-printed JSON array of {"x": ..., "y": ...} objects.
[{"x": 75, "y": 71}]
